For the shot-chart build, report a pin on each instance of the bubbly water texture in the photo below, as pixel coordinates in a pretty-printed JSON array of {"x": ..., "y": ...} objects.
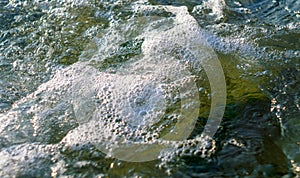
[
  {"x": 121, "y": 106},
  {"x": 79, "y": 78}
]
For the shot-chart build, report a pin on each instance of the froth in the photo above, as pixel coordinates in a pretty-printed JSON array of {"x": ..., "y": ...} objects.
[{"x": 148, "y": 103}]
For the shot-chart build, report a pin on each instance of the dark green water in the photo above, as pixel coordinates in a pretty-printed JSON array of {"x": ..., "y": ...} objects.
[{"x": 55, "y": 55}]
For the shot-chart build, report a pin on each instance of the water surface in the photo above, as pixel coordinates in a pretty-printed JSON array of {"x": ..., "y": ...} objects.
[{"x": 61, "y": 61}]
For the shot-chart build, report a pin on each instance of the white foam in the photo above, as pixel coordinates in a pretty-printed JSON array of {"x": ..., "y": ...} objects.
[{"x": 127, "y": 108}]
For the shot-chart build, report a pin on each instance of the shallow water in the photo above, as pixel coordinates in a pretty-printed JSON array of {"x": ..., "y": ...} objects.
[{"x": 78, "y": 78}]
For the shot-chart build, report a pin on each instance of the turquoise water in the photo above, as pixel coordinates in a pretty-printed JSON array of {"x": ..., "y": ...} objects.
[{"x": 66, "y": 67}]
